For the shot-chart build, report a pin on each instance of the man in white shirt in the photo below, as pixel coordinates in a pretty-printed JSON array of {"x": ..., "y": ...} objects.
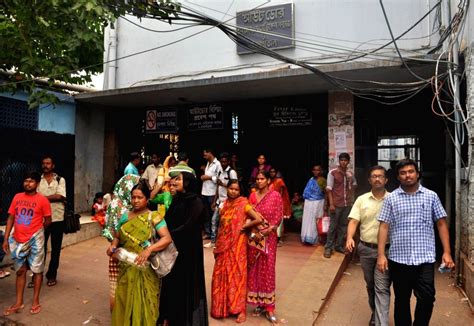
[
  {"x": 53, "y": 187},
  {"x": 225, "y": 175},
  {"x": 154, "y": 171},
  {"x": 209, "y": 186}
]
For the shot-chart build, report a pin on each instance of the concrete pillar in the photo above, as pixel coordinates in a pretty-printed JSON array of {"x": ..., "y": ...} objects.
[
  {"x": 89, "y": 151},
  {"x": 340, "y": 126}
]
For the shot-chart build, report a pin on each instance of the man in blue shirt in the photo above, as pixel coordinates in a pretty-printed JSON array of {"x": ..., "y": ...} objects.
[
  {"x": 132, "y": 167},
  {"x": 408, "y": 215}
]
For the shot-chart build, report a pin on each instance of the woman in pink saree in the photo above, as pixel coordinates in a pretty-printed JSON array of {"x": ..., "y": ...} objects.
[{"x": 261, "y": 263}]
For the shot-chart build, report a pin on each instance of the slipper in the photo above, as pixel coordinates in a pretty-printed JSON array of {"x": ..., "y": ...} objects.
[
  {"x": 257, "y": 312},
  {"x": 30, "y": 285},
  {"x": 13, "y": 310},
  {"x": 4, "y": 274},
  {"x": 51, "y": 283},
  {"x": 271, "y": 318},
  {"x": 35, "y": 309}
]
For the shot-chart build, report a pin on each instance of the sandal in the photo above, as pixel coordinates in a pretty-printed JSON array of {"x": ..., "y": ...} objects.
[
  {"x": 257, "y": 312},
  {"x": 13, "y": 310},
  {"x": 271, "y": 318},
  {"x": 35, "y": 309},
  {"x": 51, "y": 283},
  {"x": 4, "y": 274}
]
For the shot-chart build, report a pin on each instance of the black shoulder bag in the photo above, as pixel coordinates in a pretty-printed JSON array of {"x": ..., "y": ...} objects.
[{"x": 72, "y": 223}]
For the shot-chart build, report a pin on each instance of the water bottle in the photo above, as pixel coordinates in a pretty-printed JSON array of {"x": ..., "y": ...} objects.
[
  {"x": 128, "y": 257},
  {"x": 443, "y": 268}
]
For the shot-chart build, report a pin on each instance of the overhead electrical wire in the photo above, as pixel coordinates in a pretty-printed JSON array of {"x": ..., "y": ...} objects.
[
  {"x": 198, "y": 19},
  {"x": 396, "y": 46}
]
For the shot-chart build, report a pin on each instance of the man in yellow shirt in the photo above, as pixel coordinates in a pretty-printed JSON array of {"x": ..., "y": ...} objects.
[{"x": 365, "y": 212}]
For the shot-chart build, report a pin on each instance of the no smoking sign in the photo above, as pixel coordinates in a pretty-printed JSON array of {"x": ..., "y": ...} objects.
[{"x": 150, "y": 120}]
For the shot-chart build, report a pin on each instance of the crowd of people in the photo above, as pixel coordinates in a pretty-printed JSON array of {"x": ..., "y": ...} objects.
[{"x": 393, "y": 234}]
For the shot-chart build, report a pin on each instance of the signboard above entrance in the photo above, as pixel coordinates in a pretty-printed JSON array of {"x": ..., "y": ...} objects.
[
  {"x": 205, "y": 117},
  {"x": 161, "y": 121},
  {"x": 265, "y": 25},
  {"x": 290, "y": 116}
]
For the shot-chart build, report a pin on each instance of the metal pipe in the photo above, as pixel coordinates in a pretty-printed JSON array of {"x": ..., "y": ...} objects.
[
  {"x": 112, "y": 56},
  {"x": 457, "y": 164},
  {"x": 447, "y": 177}
]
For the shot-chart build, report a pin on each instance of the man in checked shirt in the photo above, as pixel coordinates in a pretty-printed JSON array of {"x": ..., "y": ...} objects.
[{"x": 409, "y": 214}]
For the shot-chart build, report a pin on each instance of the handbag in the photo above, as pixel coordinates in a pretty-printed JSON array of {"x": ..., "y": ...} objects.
[
  {"x": 163, "y": 261},
  {"x": 323, "y": 225},
  {"x": 256, "y": 239},
  {"x": 72, "y": 223}
]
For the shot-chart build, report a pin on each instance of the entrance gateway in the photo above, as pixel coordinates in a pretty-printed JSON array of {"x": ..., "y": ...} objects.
[{"x": 293, "y": 132}]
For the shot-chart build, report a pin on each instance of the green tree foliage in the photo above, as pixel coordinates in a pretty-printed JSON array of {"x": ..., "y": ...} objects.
[{"x": 57, "y": 39}]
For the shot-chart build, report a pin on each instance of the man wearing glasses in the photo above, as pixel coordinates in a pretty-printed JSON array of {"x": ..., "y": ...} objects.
[{"x": 365, "y": 212}]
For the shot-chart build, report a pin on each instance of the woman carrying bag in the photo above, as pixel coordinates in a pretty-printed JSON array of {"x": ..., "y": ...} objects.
[{"x": 138, "y": 286}]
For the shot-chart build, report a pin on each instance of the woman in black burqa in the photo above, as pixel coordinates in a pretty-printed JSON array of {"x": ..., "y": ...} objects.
[{"x": 183, "y": 295}]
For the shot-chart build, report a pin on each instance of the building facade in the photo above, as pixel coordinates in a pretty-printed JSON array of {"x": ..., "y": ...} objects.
[{"x": 188, "y": 87}]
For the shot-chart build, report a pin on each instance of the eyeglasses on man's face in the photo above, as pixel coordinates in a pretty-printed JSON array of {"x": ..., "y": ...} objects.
[{"x": 377, "y": 176}]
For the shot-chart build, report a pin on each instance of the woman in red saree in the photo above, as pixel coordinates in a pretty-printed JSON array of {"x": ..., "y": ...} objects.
[
  {"x": 277, "y": 184},
  {"x": 261, "y": 265},
  {"x": 229, "y": 279}
]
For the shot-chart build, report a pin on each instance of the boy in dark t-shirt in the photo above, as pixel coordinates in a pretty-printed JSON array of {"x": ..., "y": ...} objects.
[{"x": 29, "y": 213}]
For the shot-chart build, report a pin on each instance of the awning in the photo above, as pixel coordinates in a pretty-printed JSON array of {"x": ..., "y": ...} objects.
[{"x": 282, "y": 82}]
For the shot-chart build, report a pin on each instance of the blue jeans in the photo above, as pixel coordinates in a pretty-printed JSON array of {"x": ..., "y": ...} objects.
[{"x": 215, "y": 224}]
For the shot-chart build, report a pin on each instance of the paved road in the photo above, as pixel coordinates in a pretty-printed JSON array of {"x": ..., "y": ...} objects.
[
  {"x": 303, "y": 279},
  {"x": 348, "y": 303}
]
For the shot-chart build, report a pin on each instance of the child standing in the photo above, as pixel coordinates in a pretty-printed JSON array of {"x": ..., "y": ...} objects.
[{"x": 30, "y": 213}]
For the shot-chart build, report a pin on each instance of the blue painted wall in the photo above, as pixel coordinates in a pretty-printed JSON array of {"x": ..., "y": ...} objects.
[{"x": 60, "y": 118}]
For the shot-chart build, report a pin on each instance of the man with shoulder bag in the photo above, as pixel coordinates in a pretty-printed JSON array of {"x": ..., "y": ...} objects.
[{"x": 53, "y": 187}]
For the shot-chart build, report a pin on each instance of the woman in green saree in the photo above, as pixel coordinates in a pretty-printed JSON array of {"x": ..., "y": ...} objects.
[{"x": 138, "y": 287}]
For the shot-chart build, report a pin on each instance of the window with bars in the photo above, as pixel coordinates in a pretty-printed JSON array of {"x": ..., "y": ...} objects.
[
  {"x": 395, "y": 148},
  {"x": 15, "y": 114}
]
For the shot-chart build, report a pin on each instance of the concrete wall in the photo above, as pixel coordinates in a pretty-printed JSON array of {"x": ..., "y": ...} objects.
[
  {"x": 467, "y": 218},
  {"x": 89, "y": 157},
  {"x": 332, "y": 27}
]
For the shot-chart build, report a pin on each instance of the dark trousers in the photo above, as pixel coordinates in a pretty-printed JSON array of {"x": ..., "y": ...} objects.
[
  {"x": 337, "y": 228},
  {"x": 207, "y": 222},
  {"x": 55, "y": 230},
  {"x": 407, "y": 279}
]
